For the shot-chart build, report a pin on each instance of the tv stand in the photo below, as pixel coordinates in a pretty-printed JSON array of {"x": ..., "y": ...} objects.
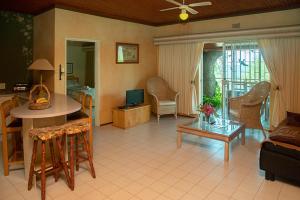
[{"x": 131, "y": 116}]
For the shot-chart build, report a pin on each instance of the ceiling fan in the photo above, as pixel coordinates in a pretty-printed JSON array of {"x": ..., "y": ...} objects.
[{"x": 186, "y": 8}]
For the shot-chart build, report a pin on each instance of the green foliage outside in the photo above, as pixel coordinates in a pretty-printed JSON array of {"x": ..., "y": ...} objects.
[{"x": 216, "y": 100}]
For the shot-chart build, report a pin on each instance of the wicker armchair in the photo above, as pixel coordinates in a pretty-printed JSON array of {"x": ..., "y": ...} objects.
[
  {"x": 247, "y": 108},
  {"x": 163, "y": 98}
]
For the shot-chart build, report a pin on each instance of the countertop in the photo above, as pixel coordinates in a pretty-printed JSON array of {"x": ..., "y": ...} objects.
[{"x": 60, "y": 105}]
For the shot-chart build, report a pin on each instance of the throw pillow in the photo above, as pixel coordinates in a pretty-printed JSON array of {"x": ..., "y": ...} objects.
[
  {"x": 293, "y": 119},
  {"x": 287, "y": 135}
]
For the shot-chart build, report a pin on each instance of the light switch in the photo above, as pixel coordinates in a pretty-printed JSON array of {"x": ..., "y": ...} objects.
[{"x": 2, "y": 86}]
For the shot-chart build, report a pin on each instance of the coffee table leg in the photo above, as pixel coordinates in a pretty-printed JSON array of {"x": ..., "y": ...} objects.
[
  {"x": 226, "y": 152},
  {"x": 179, "y": 139},
  {"x": 243, "y": 136}
]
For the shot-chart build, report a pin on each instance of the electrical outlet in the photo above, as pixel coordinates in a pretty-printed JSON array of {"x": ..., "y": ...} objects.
[{"x": 2, "y": 86}]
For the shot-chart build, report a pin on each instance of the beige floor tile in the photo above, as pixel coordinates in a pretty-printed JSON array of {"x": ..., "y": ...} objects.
[
  {"x": 109, "y": 189},
  {"x": 98, "y": 183},
  {"x": 210, "y": 181},
  {"x": 7, "y": 190},
  {"x": 216, "y": 196},
  {"x": 147, "y": 194},
  {"x": 159, "y": 186},
  {"x": 193, "y": 178},
  {"x": 161, "y": 197},
  {"x": 134, "y": 198},
  {"x": 243, "y": 195},
  {"x": 81, "y": 190},
  {"x": 134, "y": 188},
  {"x": 122, "y": 182},
  {"x": 226, "y": 188},
  {"x": 173, "y": 193},
  {"x": 289, "y": 191},
  {"x": 287, "y": 197},
  {"x": 93, "y": 195},
  {"x": 146, "y": 180},
  {"x": 13, "y": 197},
  {"x": 200, "y": 192},
  {"x": 183, "y": 185},
  {"x": 68, "y": 196},
  {"x": 169, "y": 179},
  {"x": 190, "y": 197},
  {"x": 54, "y": 190},
  {"x": 156, "y": 174},
  {"x": 121, "y": 195}
]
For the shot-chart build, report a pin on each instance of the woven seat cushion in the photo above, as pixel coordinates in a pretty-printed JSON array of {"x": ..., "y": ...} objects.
[
  {"x": 47, "y": 133},
  {"x": 287, "y": 134},
  {"x": 166, "y": 103},
  {"x": 77, "y": 115},
  {"x": 15, "y": 123},
  {"x": 76, "y": 127}
]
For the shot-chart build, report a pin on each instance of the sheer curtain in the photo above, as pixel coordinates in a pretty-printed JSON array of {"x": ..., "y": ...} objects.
[
  {"x": 282, "y": 57},
  {"x": 178, "y": 65}
]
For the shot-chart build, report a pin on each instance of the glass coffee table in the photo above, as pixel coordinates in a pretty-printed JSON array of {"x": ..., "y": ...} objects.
[{"x": 223, "y": 130}]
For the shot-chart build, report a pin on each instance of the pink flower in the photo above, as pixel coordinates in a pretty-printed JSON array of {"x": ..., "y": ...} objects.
[{"x": 207, "y": 109}]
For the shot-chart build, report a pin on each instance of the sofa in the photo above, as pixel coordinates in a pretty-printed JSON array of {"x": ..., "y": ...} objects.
[{"x": 280, "y": 152}]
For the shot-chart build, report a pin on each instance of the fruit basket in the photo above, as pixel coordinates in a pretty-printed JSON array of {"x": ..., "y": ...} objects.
[{"x": 39, "y": 98}]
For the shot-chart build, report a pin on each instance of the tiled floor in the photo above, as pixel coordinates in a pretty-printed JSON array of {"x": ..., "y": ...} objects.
[{"x": 143, "y": 163}]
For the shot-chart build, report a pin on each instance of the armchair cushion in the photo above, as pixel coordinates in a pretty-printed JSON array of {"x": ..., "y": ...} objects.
[
  {"x": 293, "y": 119},
  {"x": 167, "y": 103}
]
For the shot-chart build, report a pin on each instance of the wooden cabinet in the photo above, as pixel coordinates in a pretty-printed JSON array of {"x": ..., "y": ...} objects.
[{"x": 126, "y": 118}]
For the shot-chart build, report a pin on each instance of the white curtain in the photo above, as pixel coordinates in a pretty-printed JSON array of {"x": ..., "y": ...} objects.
[
  {"x": 178, "y": 65},
  {"x": 282, "y": 57}
]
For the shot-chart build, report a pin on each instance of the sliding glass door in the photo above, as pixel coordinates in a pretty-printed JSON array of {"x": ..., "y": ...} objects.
[
  {"x": 230, "y": 69},
  {"x": 243, "y": 67}
]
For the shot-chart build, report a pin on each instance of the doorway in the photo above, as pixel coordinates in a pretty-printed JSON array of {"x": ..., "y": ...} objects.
[{"x": 81, "y": 71}]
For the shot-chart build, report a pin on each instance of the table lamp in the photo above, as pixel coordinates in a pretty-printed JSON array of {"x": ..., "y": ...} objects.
[{"x": 39, "y": 97}]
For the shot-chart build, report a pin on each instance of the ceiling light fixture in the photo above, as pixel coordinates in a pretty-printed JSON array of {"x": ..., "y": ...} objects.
[{"x": 183, "y": 15}]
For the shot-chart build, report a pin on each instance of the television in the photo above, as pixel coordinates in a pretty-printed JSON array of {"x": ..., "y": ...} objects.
[{"x": 134, "y": 97}]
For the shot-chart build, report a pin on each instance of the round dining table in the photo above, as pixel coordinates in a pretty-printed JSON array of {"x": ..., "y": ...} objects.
[{"x": 61, "y": 105}]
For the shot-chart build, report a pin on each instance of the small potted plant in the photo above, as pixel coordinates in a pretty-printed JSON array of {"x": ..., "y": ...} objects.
[{"x": 207, "y": 109}]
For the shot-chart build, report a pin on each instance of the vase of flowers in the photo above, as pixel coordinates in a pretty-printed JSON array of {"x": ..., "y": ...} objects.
[{"x": 207, "y": 110}]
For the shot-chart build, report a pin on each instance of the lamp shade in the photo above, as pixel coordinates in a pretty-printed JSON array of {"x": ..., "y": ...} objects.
[{"x": 41, "y": 64}]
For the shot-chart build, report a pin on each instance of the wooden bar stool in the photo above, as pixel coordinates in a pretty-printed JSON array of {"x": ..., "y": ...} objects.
[
  {"x": 45, "y": 135},
  {"x": 11, "y": 126},
  {"x": 77, "y": 130},
  {"x": 82, "y": 116}
]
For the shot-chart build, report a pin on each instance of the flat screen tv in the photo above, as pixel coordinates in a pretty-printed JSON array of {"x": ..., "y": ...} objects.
[{"x": 134, "y": 97}]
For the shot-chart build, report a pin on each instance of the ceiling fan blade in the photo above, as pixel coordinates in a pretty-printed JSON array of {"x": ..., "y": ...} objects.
[
  {"x": 174, "y": 2},
  {"x": 206, "y": 3},
  {"x": 169, "y": 9},
  {"x": 191, "y": 10}
]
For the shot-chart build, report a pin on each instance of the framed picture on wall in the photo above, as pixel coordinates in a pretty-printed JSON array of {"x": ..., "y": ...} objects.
[
  {"x": 127, "y": 53},
  {"x": 69, "y": 68}
]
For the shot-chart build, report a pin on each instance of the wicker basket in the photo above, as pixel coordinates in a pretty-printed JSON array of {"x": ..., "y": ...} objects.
[{"x": 39, "y": 98}]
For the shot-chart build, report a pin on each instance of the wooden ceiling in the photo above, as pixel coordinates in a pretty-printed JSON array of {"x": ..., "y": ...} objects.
[{"x": 147, "y": 11}]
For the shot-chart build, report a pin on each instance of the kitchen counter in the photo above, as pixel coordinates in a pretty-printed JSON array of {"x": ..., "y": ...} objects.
[{"x": 61, "y": 105}]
